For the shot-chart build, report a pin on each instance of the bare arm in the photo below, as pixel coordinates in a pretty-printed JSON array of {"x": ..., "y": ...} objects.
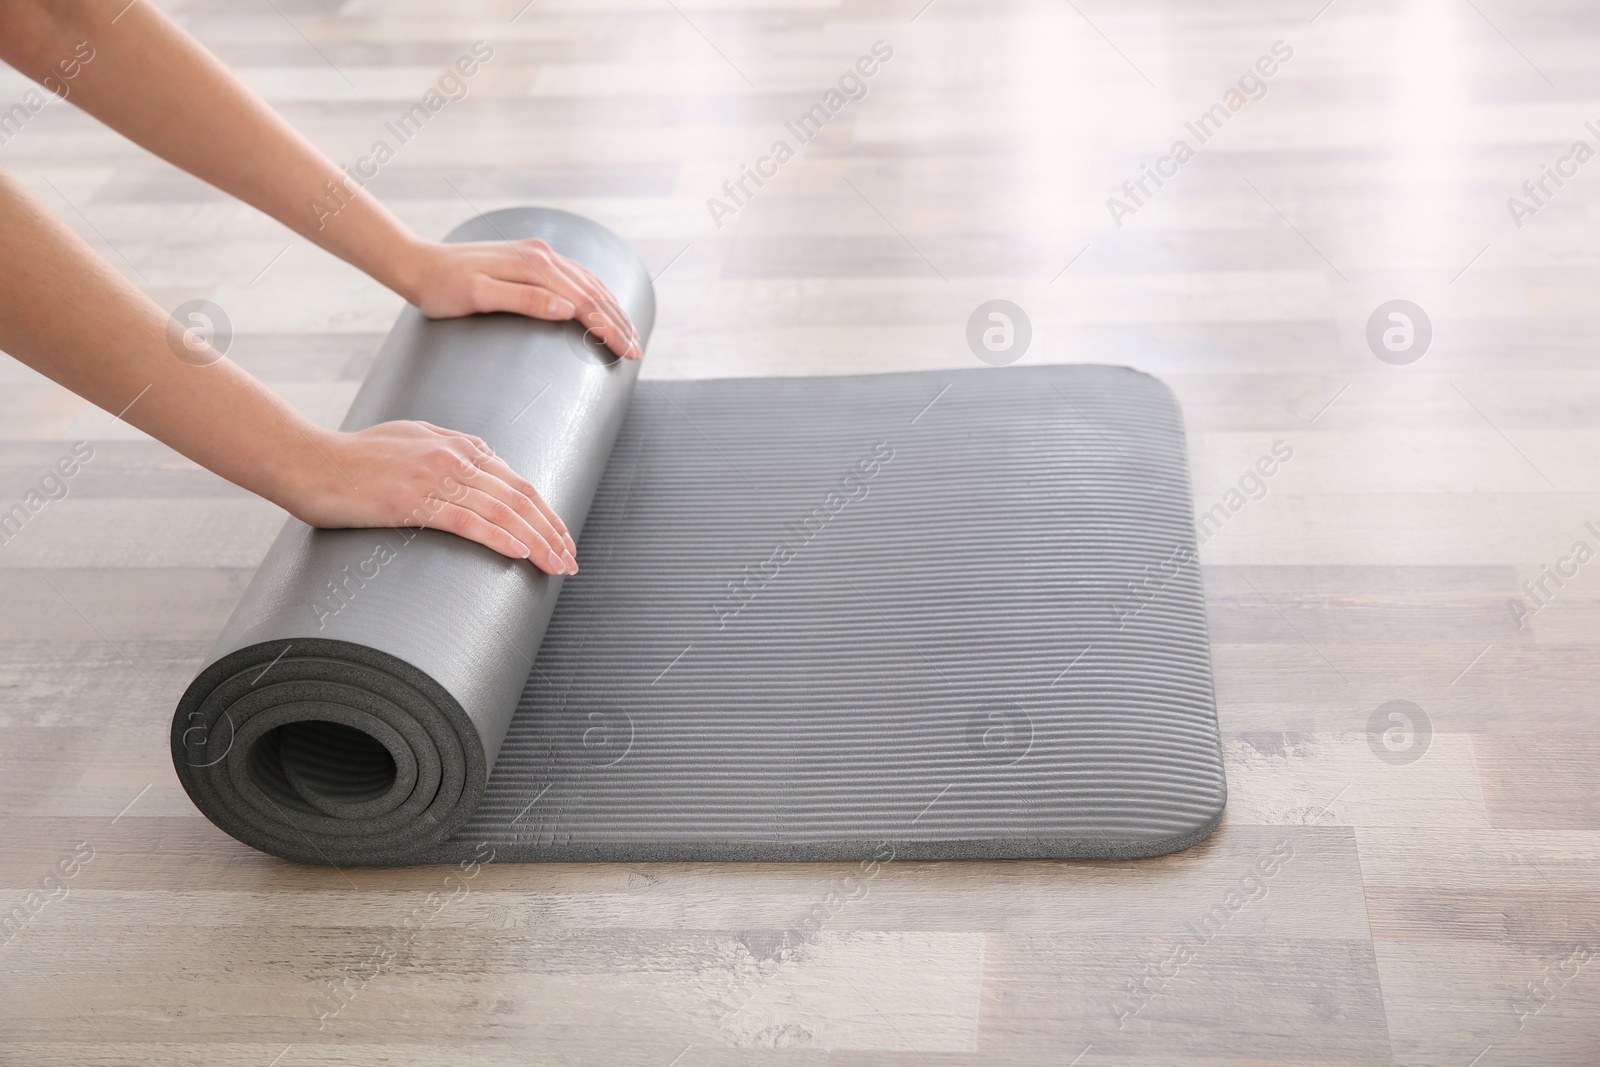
[
  {"x": 159, "y": 87},
  {"x": 66, "y": 313},
  {"x": 69, "y": 315}
]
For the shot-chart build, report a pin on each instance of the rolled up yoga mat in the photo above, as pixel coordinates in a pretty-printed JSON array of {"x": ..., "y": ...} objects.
[{"x": 948, "y": 614}]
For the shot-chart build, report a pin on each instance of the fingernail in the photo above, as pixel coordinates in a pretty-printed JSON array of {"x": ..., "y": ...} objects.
[
  {"x": 556, "y": 566},
  {"x": 571, "y": 562}
]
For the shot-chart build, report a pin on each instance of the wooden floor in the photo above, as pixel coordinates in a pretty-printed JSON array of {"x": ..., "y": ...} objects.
[{"x": 1435, "y": 910}]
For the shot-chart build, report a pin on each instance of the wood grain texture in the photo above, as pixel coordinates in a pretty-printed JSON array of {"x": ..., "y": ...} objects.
[{"x": 1436, "y": 910}]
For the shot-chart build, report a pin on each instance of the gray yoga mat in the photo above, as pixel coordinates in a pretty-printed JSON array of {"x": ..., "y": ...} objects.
[{"x": 949, "y": 614}]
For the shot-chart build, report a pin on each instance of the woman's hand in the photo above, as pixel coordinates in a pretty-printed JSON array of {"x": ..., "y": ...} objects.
[
  {"x": 417, "y": 474},
  {"x": 525, "y": 277}
]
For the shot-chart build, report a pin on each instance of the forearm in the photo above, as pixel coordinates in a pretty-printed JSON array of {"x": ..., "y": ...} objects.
[
  {"x": 152, "y": 82},
  {"x": 70, "y": 316},
  {"x": 157, "y": 86}
]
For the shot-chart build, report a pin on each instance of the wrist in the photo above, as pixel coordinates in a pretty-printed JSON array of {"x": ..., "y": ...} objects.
[
  {"x": 311, "y": 478},
  {"x": 408, "y": 268},
  {"x": 369, "y": 237}
]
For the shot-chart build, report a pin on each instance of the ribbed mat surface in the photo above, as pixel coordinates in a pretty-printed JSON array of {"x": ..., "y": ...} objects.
[{"x": 959, "y": 613}]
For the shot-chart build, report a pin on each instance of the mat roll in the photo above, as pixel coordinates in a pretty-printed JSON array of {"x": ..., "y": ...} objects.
[
  {"x": 929, "y": 615},
  {"x": 354, "y": 705}
]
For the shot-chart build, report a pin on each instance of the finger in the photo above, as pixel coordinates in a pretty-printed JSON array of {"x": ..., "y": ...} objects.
[
  {"x": 453, "y": 518},
  {"x": 542, "y": 266},
  {"x": 507, "y": 485},
  {"x": 484, "y": 470},
  {"x": 545, "y": 549},
  {"x": 551, "y": 295},
  {"x": 615, "y": 333},
  {"x": 609, "y": 296},
  {"x": 534, "y": 301},
  {"x": 608, "y": 330},
  {"x": 499, "y": 502},
  {"x": 603, "y": 296},
  {"x": 524, "y": 489},
  {"x": 517, "y": 490},
  {"x": 537, "y": 264}
]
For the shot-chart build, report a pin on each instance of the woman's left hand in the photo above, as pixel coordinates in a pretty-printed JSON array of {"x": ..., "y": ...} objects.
[{"x": 525, "y": 277}]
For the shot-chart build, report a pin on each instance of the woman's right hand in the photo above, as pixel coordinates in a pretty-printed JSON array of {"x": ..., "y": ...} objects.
[
  {"x": 525, "y": 277},
  {"x": 417, "y": 474}
]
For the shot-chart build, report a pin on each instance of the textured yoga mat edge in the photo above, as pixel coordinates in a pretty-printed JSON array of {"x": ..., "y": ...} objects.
[{"x": 205, "y": 737}]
